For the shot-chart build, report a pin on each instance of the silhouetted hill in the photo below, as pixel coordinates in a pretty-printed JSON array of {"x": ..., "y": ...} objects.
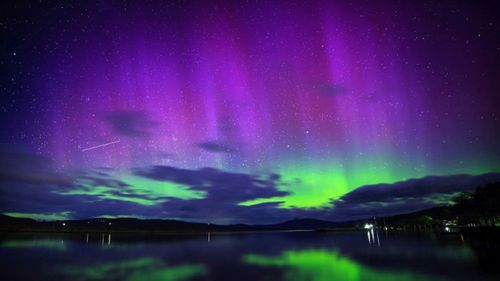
[
  {"x": 154, "y": 225},
  {"x": 133, "y": 223}
]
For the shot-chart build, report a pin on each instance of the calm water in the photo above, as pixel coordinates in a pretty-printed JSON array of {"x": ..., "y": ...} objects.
[{"x": 258, "y": 256}]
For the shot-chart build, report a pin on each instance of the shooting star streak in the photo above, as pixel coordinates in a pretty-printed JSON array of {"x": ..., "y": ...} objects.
[{"x": 99, "y": 146}]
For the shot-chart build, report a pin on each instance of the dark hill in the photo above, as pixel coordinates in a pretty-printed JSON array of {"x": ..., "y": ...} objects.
[{"x": 154, "y": 225}]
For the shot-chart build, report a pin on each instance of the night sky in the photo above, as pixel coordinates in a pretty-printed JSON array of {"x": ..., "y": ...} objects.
[{"x": 245, "y": 111}]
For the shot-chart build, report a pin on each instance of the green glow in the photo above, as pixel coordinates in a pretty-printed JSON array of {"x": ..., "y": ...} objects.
[
  {"x": 141, "y": 269},
  {"x": 145, "y": 186},
  {"x": 35, "y": 243},
  {"x": 41, "y": 216},
  {"x": 442, "y": 199},
  {"x": 106, "y": 216},
  {"x": 310, "y": 185},
  {"x": 318, "y": 185},
  {"x": 323, "y": 265},
  {"x": 309, "y": 188},
  {"x": 140, "y": 191}
]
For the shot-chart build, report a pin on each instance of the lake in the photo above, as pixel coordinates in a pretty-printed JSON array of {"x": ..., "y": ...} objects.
[{"x": 247, "y": 256}]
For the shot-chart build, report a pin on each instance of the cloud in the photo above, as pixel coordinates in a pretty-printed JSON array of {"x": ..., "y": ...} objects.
[
  {"x": 130, "y": 123},
  {"x": 329, "y": 89},
  {"x": 224, "y": 190},
  {"x": 28, "y": 184},
  {"x": 418, "y": 188},
  {"x": 158, "y": 191},
  {"x": 216, "y": 147},
  {"x": 406, "y": 196},
  {"x": 20, "y": 165},
  {"x": 220, "y": 185}
]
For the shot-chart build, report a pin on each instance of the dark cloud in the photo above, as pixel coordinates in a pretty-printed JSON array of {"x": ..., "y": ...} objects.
[
  {"x": 96, "y": 193},
  {"x": 417, "y": 188},
  {"x": 28, "y": 184},
  {"x": 329, "y": 89},
  {"x": 406, "y": 196},
  {"x": 216, "y": 147},
  {"x": 224, "y": 192},
  {"x": 98, "y": 178},
  {"x": 22, "y": 166},
  {"x": 221, "y": 186},
  {"x": 130, "y": 123}
]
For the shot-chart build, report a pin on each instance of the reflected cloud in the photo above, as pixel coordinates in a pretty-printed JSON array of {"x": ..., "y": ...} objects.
[{"x": 144, "y": 269}]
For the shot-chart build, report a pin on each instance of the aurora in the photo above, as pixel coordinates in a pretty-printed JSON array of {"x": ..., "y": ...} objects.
[{"x": 245, "y": 112}]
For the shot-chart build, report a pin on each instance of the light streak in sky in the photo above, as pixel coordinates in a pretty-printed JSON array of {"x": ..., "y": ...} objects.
[{"x": 99, "y": 146}]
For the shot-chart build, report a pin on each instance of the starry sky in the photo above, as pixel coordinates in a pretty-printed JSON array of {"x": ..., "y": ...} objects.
[{"x": 245, "y": 111}]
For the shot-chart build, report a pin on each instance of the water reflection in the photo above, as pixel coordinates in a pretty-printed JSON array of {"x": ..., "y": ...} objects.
[
  {"x": 37, "y": 243},
  {"x": 259, "y": 256},
  {"x": 323, "y": 265},
  {"x": 105, "y": 239},
  {"x": 140, "y": 269},
  {"x": 373, "y": 238}
]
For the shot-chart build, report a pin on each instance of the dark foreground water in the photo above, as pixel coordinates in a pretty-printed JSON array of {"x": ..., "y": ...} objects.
[{"x": 256, "y": 256}]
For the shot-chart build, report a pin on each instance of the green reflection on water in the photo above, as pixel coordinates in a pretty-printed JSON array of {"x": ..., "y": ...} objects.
[
  {"x": 141, "y": 269},
  {"x": 37, "y": 243},
  {"x": 323, "y": 265}
]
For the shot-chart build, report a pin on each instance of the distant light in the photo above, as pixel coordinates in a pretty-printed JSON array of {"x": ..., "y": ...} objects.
[
  {"x": 447, "y": 229},
  {"x": 109, "y": 223},
  {"x": 368, "y": 226},
  {"x": 63, "y": 224}
]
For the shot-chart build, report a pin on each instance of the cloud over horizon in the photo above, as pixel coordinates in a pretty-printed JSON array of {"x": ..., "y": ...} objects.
[{"x": 29, "y": 185}]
